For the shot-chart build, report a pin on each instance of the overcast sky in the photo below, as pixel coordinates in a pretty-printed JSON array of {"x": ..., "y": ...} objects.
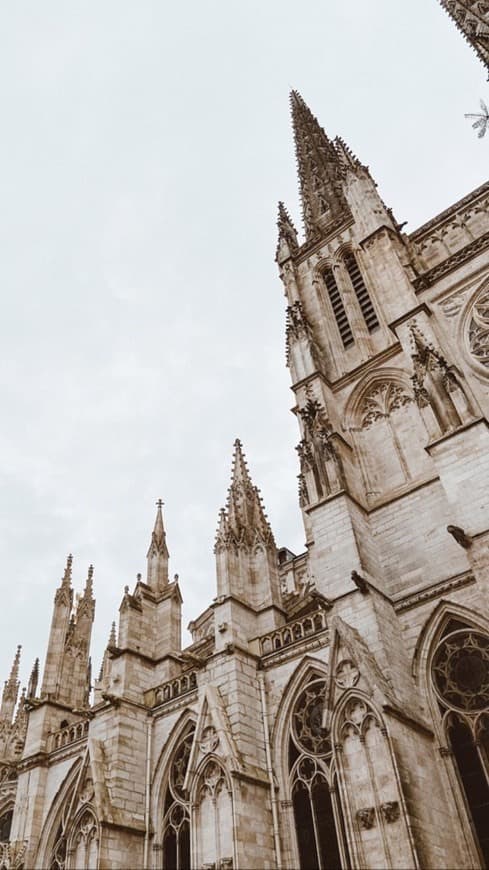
[{"x": 144, "y": 147}]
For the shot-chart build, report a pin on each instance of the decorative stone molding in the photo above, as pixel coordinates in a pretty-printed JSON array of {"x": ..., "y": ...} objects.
[
  {"x": 390, "y": 811},
  {"x": 366, "y": 818},
  {"x": 346, "y": 674},
  {"x": 12, "y": 854}
]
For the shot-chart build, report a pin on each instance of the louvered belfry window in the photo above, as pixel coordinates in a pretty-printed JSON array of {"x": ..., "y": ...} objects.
[
  {"x": 361, "y": 291},
  {"x": 338, "y": 308}
]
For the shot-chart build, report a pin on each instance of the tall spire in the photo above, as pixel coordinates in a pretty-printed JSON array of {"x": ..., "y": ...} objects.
[
  {"x": 472, "y": 19},
  {"x": 11, "y": 689},
  {"x": 320, "y": 171},
  {"x": 158, "y": 555},
  {"x": 243, "y": 520}
]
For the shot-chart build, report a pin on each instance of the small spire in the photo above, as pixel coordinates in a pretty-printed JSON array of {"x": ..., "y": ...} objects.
[
  {"x": 66, "y": 578},
  {"x": 320, "y": 171},
  {"x": 11, "y": 689},
  {"x": 112, "y": 636},
  {"x": 33, "y": 680},
  {"x": 243, "y": 520},
  {"x": 88, "y": 591},
  {"x": 158, "y": 555},
  {"x": 287, "y": 244}
]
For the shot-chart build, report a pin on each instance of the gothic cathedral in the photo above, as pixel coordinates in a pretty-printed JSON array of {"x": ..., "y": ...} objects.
[{"x": 332, "y": 710}]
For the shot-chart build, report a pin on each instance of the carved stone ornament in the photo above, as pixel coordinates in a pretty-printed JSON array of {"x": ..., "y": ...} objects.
[
  {"x": 390, "y": 811},
  {"x": 478, "y": 330},
  {"x": 209, "y": 740},
  {"x": 381, "y": 401},
  {"x": 87, "y": 792},
  {"x": 454, "y": 304},
  {"x": 307, "y": 720},
  {"x": 366, "y": 818},
  {"x": 346, "y": 674}
]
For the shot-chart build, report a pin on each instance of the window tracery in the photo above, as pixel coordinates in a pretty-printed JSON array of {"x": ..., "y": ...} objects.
[
  {"x": 460, "y": 679},
  {"x": 214, "y": 814},
  {"x": 76, "y": 842},
  {"x": 176, "y": 824},
  {"x": 311, "y": 782},
  {"x": 478, "y": 328}
]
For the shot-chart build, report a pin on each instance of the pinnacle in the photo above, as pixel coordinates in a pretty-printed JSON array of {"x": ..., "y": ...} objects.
[
  {"x": 89, "y": 583},
  {"x": 66, "y": 579},
  {"x": 14, "y": 673},
  {"x": 243, "y": 518},
  {"x": 158, "y": 536},
  {"x": 112, "y": 636}
]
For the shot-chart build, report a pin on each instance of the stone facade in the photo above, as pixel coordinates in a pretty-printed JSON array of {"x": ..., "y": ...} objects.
[{"x": 333, "y": 707}]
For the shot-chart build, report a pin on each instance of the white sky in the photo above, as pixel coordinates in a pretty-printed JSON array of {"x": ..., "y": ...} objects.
[{"x": 144, "y": 147}]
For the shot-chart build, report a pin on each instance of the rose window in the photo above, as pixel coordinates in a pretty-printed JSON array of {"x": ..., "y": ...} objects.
[{"x": 461, "y": 671}]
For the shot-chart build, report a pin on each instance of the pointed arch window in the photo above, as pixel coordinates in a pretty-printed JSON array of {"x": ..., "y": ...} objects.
[
  {"x": 338, "y": 307},
  {"x": 6, "y": 825},
  {"x": 361, "y": 292},
  {"x": 460, "y": 679},
  {"x": 84, "y": 842},
  {"x": 176, "y": 824},
  {"x": 315, "y": 801}
]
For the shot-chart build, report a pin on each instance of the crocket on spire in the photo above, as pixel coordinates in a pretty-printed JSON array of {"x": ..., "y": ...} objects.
[{"x": 319, "y": 168}]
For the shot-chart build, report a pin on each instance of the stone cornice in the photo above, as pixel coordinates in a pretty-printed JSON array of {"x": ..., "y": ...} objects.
[
  {"x": 458, "y": 258},
  {"x": 443, "y": 587}
]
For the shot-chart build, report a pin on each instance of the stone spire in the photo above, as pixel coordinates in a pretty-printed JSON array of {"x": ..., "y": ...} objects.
[
  {"x": 243, "y": 520},
  {"x": 33, "y": 680},
  {"x": 86, "y": 604},
  {"x": 320, "y": 172},
  {"x": 158, "y": 555},
  {"x": 472, "y": 19},
  {"x": 11, "y": 689},
  {"x": 287, "y": 244},
  {"x": 64, "y": 592}
]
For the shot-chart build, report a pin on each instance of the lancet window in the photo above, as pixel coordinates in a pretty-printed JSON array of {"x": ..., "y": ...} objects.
[
  {"x": 84, "y": 842},
  {"x": 176, "y": 824},
  {"x": 338, "y": 307},
  {"x": 361, "y": 292},
  {"x": 460, "y": 679},
  {"x": 214, "y": 817},
  {"x": 5, "y": 826},
  {"x": 315, "y": 800}
]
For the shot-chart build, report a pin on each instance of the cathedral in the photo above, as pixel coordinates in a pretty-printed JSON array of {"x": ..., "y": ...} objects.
[{"x": 332, "y": 709}]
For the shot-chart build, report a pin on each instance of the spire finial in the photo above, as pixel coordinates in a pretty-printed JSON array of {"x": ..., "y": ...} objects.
[
  {"x": 88, "y": 591},
  {"x": 158, "y": 555},
  {"x": 66, "y": 579}
]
